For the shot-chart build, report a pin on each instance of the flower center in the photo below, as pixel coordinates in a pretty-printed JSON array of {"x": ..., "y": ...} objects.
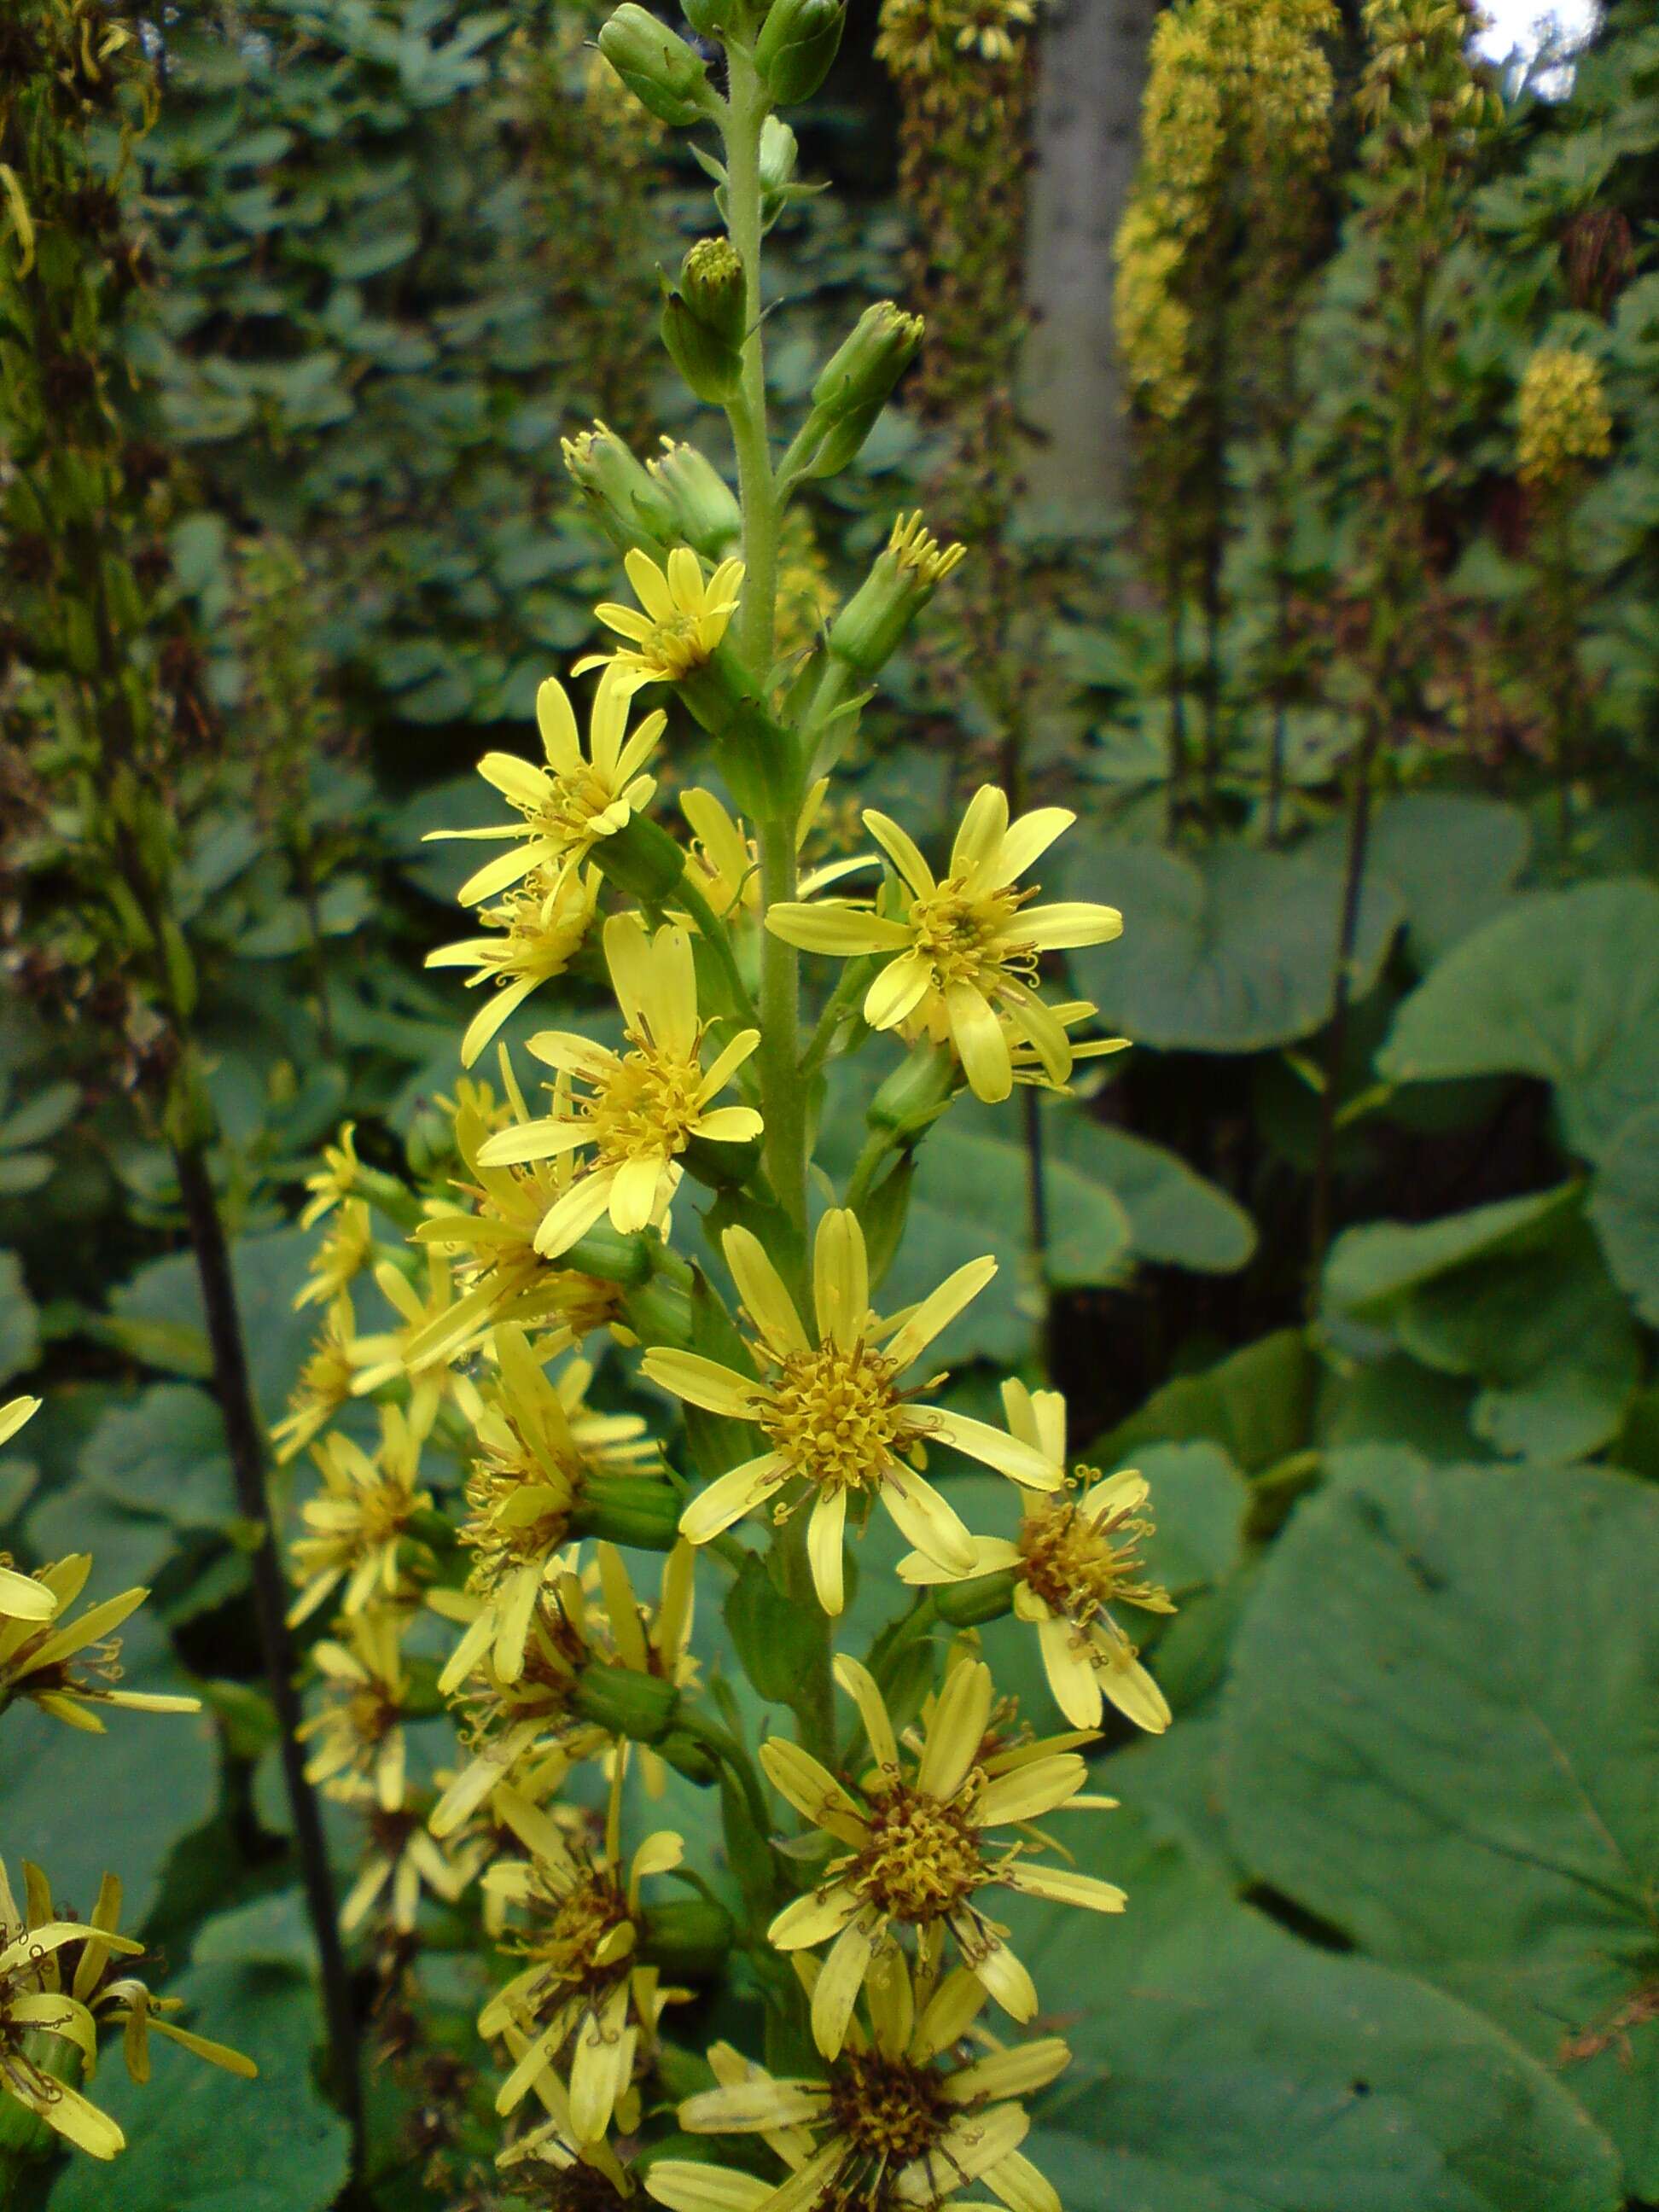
[
  {"x": 958, "y": 932},
  {"x": 568, "y": 1941},
  {"x": 921, "y": 1859},
  {"x": 675, "y": 646},
  {"x": 566, "y": 815},
  {"x": 892, "y": 2112},
  {"x": 543, "y": 931},
  {"x": 517, "y": 1514},
  {"x": 1076, "y": 1562},
  {"x": 836, "y": 1416},
  {"x": 647, "y": 1107},
  {"x": 579, "y": 2188}
]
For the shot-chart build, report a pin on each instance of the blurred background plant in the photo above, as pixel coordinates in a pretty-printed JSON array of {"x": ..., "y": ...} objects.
[{"x": 1356, "y": 1253}]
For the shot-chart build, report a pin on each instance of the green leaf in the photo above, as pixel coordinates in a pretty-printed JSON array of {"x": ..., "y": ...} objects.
[
  {"x": 268, "y": 1270},
  {"x": 82, "y": 1805},
  {"x": 1177, "y": 1219},
  {"x": 1624, "y": 1209},
  {"x": 1231, "y": 950},
  {"x": 1380, "y": 1262},
  {"x": 1222, "y": 2065},
  {"x": 1564, "y": 987},
  {"x": 774, "y": 1639},
  {"x": 165, "y": 1454},
  {"x": 1256, "y": 1404},
  {"x": 1439, "y": 1738},
  {"x": 200, "y": 2140},
  {"x": 20, "y": 1321},
  {"x": 1451, "y": 858}
]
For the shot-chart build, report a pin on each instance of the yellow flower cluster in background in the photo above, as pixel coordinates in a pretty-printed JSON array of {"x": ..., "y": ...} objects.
[{"x": 1565, "y": 420}]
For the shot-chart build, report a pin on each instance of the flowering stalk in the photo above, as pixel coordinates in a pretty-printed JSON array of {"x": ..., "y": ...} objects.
[{"x": 865, "y": 1848}]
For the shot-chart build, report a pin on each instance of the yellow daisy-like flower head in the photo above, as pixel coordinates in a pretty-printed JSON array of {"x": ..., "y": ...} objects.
[
  {"x": 841, "y": 1429},
  {"x": 325, "y": 1383},
  {"x": 643, "y": 1106},
  {"x": 575, "y": 1921},
  {"x": 962, "y": 950},
  {"x": 22, "y": 1597},
  {"x": 37, "y": 2011},
  {"x": 360, "y": 1724},
  {"x": 890, "y": 2125},
  {"x": 682, "y": 617},
  {"x": 357, "y": 1522},
  {"x": 537, "y": 929},
  {"x": 1076, "y": 1556},
  {"x": 336, "y": 1179},
  {"x": 573, "y": 803},
  {"x": 575, "y": 2176},
  {"x": 724, "y": 861},
  {"x": 920, "y": 1849},
  {"x": 401, "y": 1863},
  {"x": 68, "y": 1667}
]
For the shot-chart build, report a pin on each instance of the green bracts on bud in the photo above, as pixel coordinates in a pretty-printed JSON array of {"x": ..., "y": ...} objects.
[
  {"x": 916, "y": 1093},
  {"x": 703, "y": 320},
  {"x": 760, "y": 754},
  {"x": 703, "y": 505},
  {"x": 641, "y": 1707},
  {"x": 720, "y": 1167},
  {"x": 631, "y": 507},
  {"x": 611, "y": 1256},
  {"x": 641, "y": 859},
  {"x": 971, "y": 1604},
  {"x": 907, "y": 571},
  {"x": 709, "y": 19},
  {"x": 797, "y": 43},
  {"x": 662, "y": 72},
  {"x": 855, "y": 386},
  {"x": 628, "y": 1509},
  {"x": 691, "y": 1935}
]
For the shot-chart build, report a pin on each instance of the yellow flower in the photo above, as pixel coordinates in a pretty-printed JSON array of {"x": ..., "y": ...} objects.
[
  {"x": 405, "y": 1354},
  {"x": 22, "y": 1597},
  {"x": 123, "y": 2001},
  {"x": 34, "y": 2007},
  {"x": 37, "y": 1658},
  {"x": 340, "y": 1257},
  {"x": 357, "y": 1521},
  {"x": 918, "y": 1846},
  {"x": 592, "y": 2178},
  {"x": 684, "y": 619},
  {"x": 583, "y": 1986},
  {"x": 502, "y": 1274},
  {"x": 836, "y": 1422},
  {"x": 336, "y": 1179},
  {"x": 891, "y": 2126},
  {"x": 539, "y": 1446},
  {"x": 645, "y": 1105},
  {"x": 539, "y": 927},
  {"x": 400, "y": 1862},
  {"x": 573, "y": 803},
  {"x": 1565, "y": 420},
  {"x": 326, "y": 1382},
  {"x": 360, "y": 1722},
  {"x": 725, "y": 862},
  {"x": 962, "y": 954},
  {"x": 1076, "y": 1556}
]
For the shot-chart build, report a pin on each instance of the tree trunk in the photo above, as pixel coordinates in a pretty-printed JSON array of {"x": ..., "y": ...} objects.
[{"x": 1091, "y": 68}]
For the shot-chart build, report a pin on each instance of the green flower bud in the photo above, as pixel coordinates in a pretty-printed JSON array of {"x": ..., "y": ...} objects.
[
  {"x": 798, "y": 41},
  {"x": 777, "y": 155},
  {"x": 916, "y": 1093},
  {"x": 628, "y": 1509},
  {"x": 705, "y": 508},
  {"x": 970, "y": 1604},
  {"x": 640, "y": 1707},
  {"x": 759, "y": 753},
  {"x": 703, "y": 320},
  {"x": 690, "y": 1935},
  {"x": 709, "y": 19},
  {"x": 854, "y": 387},
  {"x": 868, "y": 628},
  {"x": 632, "y": 507},
  {"x": 610, "y": 1257},
  {"x": 641, "y": 858},
  {"x": 660, "y": 68},
  {"x": 721, "y": 1167}
]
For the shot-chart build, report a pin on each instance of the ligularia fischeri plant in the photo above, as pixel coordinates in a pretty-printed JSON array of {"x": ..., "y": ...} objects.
[{"x": 645, "y": 1226}]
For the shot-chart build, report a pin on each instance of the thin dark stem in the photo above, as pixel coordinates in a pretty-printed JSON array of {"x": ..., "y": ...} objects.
[
  {"x": 1353, "y": 884},
  {"x": 1177, "y": 678},
  {"x": 248, "y": 1458},
  {"x": 1211, "y": 690}
]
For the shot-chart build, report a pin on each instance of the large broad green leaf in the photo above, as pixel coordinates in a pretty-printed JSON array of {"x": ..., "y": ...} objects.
[
  {"x": 1440, "y": 1738},
  {"x": 1450, "y": 856},
  {"x": 1230, "y": 950},
  {"x": 1256, "y": 1404},
  {"x": 1222, "y": 2065},
  {"x": 1382, "y": 1261},
  {"x": 1177, "y": 1219},
  {"x": 1624, "y": 1208},
  {"x": 268, "y": 1271},
  {"x": 165, "y": 1454},
  {"x": 84, "y": 1805},
  {"x": 20, "y": 1322},
  {"x": 200, "y": 2140},
  {"x": 1565, "y": 986}
]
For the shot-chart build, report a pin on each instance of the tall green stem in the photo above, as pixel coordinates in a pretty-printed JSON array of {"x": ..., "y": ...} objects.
[{"x": 745, "y": 113}]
